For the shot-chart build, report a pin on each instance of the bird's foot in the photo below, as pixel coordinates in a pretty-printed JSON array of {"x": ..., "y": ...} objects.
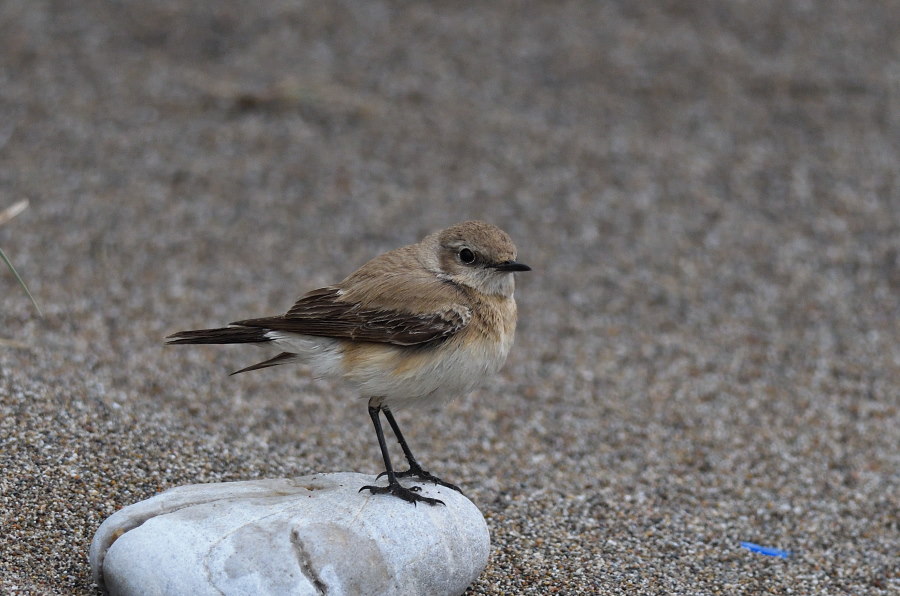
[
  {"x": 425, "y": 476},
  {"x": 410, "y": 495}
]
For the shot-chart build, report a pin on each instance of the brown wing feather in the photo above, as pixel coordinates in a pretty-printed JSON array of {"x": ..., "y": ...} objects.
[{"x": 323, "y": 313}]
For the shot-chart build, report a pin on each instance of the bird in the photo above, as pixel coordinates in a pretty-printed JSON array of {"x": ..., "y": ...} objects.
[{"x": 420, "y": 324}]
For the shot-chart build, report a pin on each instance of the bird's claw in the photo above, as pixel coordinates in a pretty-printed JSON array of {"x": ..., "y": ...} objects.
[
  {"x": 424, "y": 476},
  {"x": 410, "y": 495}
]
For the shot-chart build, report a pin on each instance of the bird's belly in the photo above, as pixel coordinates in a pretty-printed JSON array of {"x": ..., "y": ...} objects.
[
  {"x": 404, "y": 376},
  {"x": 401, "y": 375}
]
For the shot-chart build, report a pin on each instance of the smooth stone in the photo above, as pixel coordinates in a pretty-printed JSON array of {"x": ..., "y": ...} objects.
[{"x": 310, "y": 535}]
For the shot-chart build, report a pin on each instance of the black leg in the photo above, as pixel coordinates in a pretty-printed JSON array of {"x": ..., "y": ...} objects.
[
  {"x": 413, "y": 464},
  {"x": 415, "y": 469},
  {"x": 394, "y": 488}
]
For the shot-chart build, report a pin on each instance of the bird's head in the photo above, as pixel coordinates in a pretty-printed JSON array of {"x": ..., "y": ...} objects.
[{"x": 477, "y": 255}]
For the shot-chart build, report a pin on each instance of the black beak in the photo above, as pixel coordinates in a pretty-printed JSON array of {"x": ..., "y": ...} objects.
[{"x": 511, "y": 266}]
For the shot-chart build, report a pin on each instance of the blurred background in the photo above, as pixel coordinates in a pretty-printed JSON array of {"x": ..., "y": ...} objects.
[{"x": 708, "y": 348}]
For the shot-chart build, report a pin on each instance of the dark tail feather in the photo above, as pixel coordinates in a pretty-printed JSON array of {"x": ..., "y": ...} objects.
[
  {"x": 282, "y": 358},
  {"x": 224, "y": 335}
]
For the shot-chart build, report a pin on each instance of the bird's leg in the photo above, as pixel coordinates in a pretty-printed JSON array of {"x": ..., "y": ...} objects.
[
  {"x": 415, "y": 469},
  {"x": 409, "y": 495}
]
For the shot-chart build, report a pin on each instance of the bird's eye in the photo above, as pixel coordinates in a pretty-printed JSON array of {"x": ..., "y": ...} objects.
[{"x": 467, "y": 256}]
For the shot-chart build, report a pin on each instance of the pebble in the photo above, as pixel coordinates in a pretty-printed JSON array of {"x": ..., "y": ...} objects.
[{"x": 309, "y": 535}]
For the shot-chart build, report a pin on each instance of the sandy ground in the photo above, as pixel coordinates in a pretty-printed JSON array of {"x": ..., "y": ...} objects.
[{"x": 709, "y": 344}]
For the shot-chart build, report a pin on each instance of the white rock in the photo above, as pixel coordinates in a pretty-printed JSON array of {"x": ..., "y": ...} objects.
[{"x": 311, "y": 535}]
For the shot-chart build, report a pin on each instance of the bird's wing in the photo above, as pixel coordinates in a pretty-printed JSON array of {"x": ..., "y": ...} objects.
[{"x": 328, "y": 313}]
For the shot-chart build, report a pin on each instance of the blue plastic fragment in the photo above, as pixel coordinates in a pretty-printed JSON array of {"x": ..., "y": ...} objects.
[{"x": 766, "y": 550}]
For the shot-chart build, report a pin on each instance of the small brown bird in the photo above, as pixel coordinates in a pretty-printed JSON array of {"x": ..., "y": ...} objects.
[{"x": 422, "y": 323}]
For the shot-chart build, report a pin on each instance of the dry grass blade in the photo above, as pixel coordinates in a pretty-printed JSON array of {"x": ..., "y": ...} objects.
[
  {"x": 6, "y": 215},
  {"x": 11, "y": 343},
  {"x": 12, "y": 211}
]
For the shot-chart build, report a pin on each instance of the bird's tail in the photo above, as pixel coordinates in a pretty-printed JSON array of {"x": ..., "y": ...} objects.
[{"x": 223, "y": 335}]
